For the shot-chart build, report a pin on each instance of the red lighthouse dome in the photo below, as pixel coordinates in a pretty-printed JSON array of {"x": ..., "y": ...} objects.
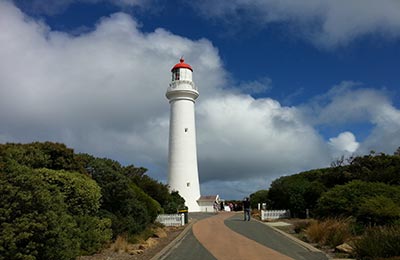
[{"x": 182, "y": 65}]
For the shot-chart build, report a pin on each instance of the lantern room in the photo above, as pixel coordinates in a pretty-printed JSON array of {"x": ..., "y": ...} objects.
[{"x": 182, "y": 71}]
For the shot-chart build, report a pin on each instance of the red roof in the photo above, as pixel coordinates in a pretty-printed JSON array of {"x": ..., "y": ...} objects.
[{"x": 182, "y": 64}]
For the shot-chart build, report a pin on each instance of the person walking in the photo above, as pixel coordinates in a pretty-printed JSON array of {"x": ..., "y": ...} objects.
[{"x": 247, "y": 209}]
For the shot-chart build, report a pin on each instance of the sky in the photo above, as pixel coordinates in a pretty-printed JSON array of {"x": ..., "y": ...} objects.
[{"x": 285, "y": 86}]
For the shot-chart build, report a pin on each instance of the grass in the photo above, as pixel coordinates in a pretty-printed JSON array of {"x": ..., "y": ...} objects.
[
  {"x": 124, "y": 243},
  {"x": 379, "y": 243},
  {"x": 301, "y": 225},
  {"x": 373, "y": 243},
  {"x": 120, "y": 245},
  {"x": 330, "y": 232}
]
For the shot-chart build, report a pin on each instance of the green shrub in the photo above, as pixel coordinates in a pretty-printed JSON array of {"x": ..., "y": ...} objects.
[
  {"x": 37, "y": 203},
  {"x": 378, "y": 242},
  {"x": 48, "y": 155},
  {"x": 94, "y": 233},
  {"x": 151, "y": 187},
  {"x": 87, "y": 195},
  {"x": 128, "y": 207},
  {"x": 379, "y": 210},
  {"x": 346, "y": 200},
  {"x": 81, "y": 193},
  {"x": 174, "y": 203},
  {"x": 82, "y": 197},
  {"x": 34, "y": 219}
]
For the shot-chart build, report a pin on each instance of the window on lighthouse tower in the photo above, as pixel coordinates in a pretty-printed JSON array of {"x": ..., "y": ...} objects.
[{"x": 175, "y": 74}]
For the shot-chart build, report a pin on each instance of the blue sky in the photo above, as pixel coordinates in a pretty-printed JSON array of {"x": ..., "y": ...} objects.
[{"x": 285, "y": 86}]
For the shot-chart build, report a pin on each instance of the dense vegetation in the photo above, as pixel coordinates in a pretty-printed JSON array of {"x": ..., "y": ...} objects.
[
  {"x": 361, "y": 197},
  {"x": 363, "y": 180},
  {"x": 56, "y": 204}
]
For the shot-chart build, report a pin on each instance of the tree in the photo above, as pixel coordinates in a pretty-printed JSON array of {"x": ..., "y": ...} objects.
[
  {"x": 257, "y": 197},
  {"x": 295, "y": 193}
]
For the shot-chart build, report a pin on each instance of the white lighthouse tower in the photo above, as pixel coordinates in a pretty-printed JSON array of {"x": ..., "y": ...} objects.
[{"x": 183, "y": 174}]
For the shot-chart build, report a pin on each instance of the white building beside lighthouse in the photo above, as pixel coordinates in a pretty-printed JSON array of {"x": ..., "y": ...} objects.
[{"x": 183, "y": 173}]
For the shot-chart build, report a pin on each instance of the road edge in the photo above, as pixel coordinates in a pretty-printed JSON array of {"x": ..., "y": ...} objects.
[
  {"x": 295, "y": 239},
  {"x": 164, "y": 252}
]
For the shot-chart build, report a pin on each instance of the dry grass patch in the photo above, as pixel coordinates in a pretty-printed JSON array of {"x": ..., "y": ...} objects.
[
  {"x": 330, "y": 232},
  {"x": 120, "y": 245}
]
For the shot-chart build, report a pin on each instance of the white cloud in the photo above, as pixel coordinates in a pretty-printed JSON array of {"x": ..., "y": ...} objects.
[
  {"x": 352, "y": 103},
  {"x": 247, "y": 137},
  {"x": 103, "y": 87},
  {"x": 259, "y": 86},
  {"x": 349, "y": 102},
  {"x": 103, "y": 92},
  {"x": 327, "y": 24},
  {"x": 385, "y": 137},
  {"x": 344, "y": 143}
]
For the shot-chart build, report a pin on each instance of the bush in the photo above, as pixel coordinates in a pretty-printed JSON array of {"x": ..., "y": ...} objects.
[
  {"x": 35, "y": 223},
  {"x": 174, "y": 203},
  {"x": 48, "y": 155},
  {"x": 378, "y": 210},
  {"x": 82, "y": 197},
  {"x": 151, "y": 187},
  {"x": 128, "y": 207},
  {"x": 329, "y": 232},
  {"x": 346, "y": 200},
  {"x": 46, "y": 187},
  {"x": 53, "y": 213},
  {"x": 94, "y": 233},
  {"x": 81, "y": 193},
  {"x": 378, "y": 242}
]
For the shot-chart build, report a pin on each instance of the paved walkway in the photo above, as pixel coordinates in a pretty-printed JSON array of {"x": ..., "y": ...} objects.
[
  {"x": 226, "y": 236},
  {"x": 224, "y": 243}
]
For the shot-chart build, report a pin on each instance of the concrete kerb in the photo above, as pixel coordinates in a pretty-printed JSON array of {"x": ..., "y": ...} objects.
[{"x": 164, "y": 252}]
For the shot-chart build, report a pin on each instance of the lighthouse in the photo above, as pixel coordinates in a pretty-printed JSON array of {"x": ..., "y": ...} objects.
[{"x": 183, "y": 173}]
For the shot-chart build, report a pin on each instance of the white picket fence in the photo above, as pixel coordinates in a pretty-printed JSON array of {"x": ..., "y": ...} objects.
[
  {"x": 171, "y": 219},
  {"x": 274, "y": 214}
]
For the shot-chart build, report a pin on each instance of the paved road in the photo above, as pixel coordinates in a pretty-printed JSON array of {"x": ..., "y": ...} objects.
[
  {"x": 266, "y": 236},
  {"x": 226, "y": 236}
]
